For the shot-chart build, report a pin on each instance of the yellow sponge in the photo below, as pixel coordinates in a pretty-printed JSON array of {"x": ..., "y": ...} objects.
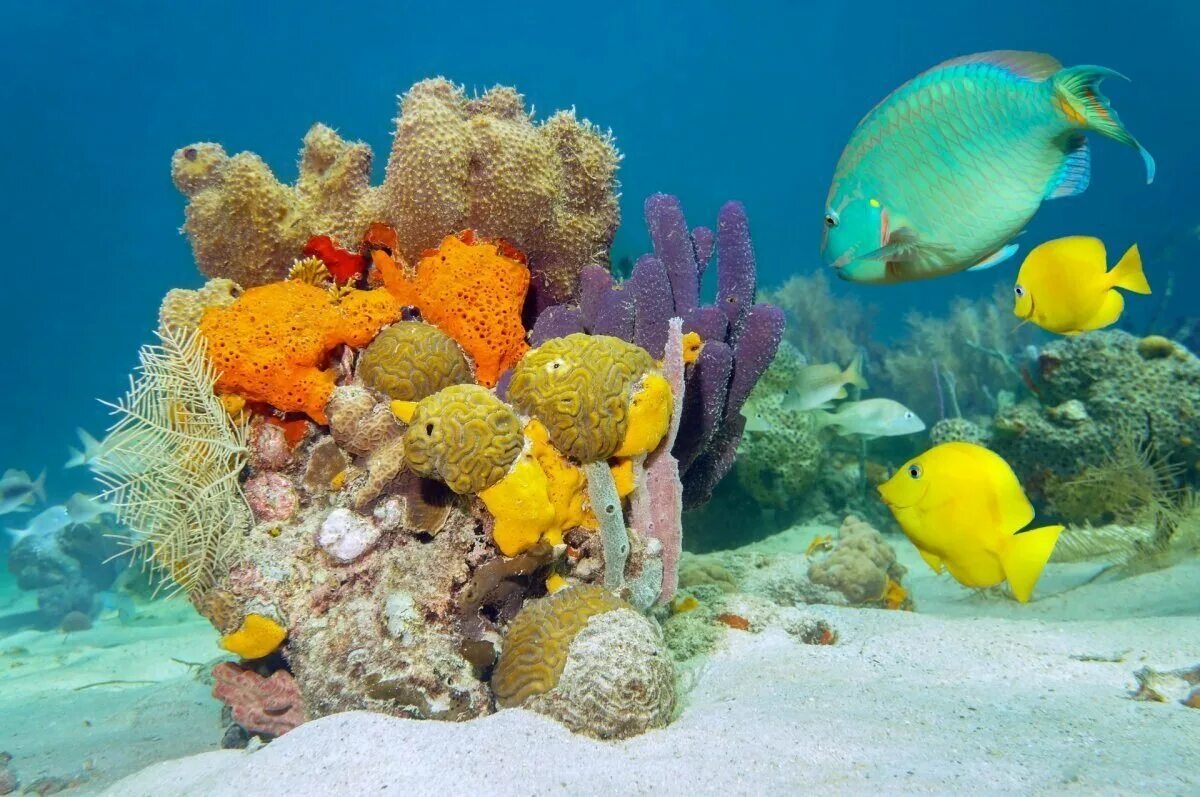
[{"x": 258, "y": 636}]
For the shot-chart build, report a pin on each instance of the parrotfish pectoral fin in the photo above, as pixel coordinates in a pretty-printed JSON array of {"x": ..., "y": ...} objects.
[
  {"x": 1128, "y": 274},
  {"x": 995, "y": 258},
  {"x": 931, "y": 560},
  {"x": 904, "y": 245},
  {"x": 1078, "y": 89},
  {"x": 1024, "y": 556},
  {"x": 1075, "y": 173}
]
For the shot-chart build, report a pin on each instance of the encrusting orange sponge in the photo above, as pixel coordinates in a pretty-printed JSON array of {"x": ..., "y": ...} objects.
[
  {"x": 471, "y": 289},
  {"x": 272, "y": 344}
]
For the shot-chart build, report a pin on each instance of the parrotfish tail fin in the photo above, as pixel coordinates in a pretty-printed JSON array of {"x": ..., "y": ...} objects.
[
  {"x": 76, "y": 459},
  {"x": 1024, "y": 557},
  {"x": 854, "y": 374},
  {"x": 1078, "y": 88},
  {"x": 39, "y": 487},
  {"x": 1128, "y": 272}
]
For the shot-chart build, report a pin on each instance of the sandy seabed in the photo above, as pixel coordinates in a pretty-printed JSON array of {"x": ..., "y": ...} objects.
[{"x": 968, "y": 695}]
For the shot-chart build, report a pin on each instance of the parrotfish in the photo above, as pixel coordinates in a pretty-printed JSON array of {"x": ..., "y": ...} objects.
[
  {"x": 963, "y": 508},
  {"x": 817, "y": 385},
  {"x": 18, "y": 493},
  {"x": 876, "y": 417},
  {"x": 1064, "y": 285},
  {"x": 943, "y": 173}
]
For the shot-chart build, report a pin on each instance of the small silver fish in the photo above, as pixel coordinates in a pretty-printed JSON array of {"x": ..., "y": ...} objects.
[
  {"x": 92, "y": 450},
  {"x": 18, "y": 493},
  {"x": 48, "y": 522},
  {"x": 818, "y": 385},
  {"x": 83, "y": 509},
  {"x": 877, "y": 417}
]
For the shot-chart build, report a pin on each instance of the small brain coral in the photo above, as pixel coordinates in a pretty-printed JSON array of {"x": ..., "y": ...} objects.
[
  {"x": 537, "y": 643},
  {"x": 456, "y": 163},
  {"x": 618, "y": 681},
  {"x": 410, "y": 360},
  {"x": 270, "y": 345},
  {"x": 473, "y": 291},
  {"x": 861, "y": 565},
  {"x": 579, "y": 387},
  {"x": 464, "y": 436}
]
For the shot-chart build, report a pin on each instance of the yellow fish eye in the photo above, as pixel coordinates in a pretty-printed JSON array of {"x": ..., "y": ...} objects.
[
  {"x": 914, "y": 471},
  {"x": 1018, "y": 290}
]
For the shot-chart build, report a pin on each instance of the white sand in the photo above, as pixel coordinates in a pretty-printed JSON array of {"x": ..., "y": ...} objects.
[{"x": 970, "y": 695}]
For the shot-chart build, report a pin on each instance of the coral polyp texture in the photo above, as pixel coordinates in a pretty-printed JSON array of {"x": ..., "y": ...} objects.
[
  {"x": 456, "y": 163},
  {"x": 350, "y": 457}
]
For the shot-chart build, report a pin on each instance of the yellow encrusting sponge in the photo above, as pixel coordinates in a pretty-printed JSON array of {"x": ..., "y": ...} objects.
[{"x": 258, "y": 636}]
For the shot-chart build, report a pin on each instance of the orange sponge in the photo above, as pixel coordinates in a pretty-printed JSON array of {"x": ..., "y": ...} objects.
[
  {"x": 272, "y": 344},
  {"x": 473, "y": 290}
]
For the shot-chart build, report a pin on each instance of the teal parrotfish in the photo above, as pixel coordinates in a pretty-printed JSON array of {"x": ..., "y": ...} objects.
[{"x": 943, "y": 173}]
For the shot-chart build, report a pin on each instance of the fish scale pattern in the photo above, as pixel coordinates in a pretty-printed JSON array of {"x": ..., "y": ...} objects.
[
  {"x": 579, "y": 387},
  {"x": 539, "y": 638},
  {"x": 464, "y": 436},
  {"x": 985, "y": 141}
]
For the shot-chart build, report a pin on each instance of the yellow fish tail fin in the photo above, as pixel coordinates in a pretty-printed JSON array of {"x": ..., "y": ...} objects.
[
  {"x": 853, "y": 373},
  {"x": 1024, "y": 556},
  {"x": 1128, "y": 272}
]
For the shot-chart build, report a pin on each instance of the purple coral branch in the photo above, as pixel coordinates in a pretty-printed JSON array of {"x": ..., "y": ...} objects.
[
  {"x": 674, "y": 248},
  {"x": 735, "y": 266}
]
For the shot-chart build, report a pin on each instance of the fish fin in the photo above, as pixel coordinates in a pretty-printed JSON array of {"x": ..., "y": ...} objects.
[
  {"x": 39, "y": 487},
  {"x": 1034, "y": 66},
  {"x": 1128, "y": 274},
  {"x": 995, "y": 258},
  {"x": 932, "y": 561},
  {"x": 1110, "y": 310},
  {"x": 903, "y": 245},
  {"x": 1078, "y": 90},
  {"x": 76, "y": 459},
  {"x": 1075, "y": 174},
  {"x": 1024, "y": 556},
  {"x": 825, "y": 418},
  {"x": 854, "y": 375}
]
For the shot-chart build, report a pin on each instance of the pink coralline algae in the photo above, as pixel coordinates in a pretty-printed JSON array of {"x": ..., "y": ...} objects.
[
  {"x": 269, "y": 706},
  {"x": 269, "y": 449},
  {"x": 271, "y": 497}
]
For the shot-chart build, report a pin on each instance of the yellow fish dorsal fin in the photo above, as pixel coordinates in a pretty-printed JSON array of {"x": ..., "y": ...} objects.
[
  {"x": 1024, "y": 555},
  {"x": 1078, "y": 255}
]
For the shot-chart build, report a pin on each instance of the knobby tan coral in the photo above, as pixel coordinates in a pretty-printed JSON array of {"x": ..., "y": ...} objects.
[{"x": 456, "y": 163}]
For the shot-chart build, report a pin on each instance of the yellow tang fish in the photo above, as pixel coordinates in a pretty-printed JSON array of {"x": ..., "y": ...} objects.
[
  {"x": 1063, "y": 285},
  {"x": 962, "y": 507}
]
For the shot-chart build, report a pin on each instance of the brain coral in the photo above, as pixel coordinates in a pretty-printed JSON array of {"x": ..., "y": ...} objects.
[
  {"x": 618, "y": 681},
  {"x": 464, "y": 436},
  {"x": 182, "y": 309},
  {"x": 579, "y": 387},
  {"x": 270, "y": 344},
  {"x": 456, "y": 163},
  {"x": 410, "y": 360},
  {"x": 471, "y": 290},
  {"x": 780, "y": 459},
  {"x": 537, "y": 643}
]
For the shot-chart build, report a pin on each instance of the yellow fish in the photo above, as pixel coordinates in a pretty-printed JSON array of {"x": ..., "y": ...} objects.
[
  {"x": 1063, "y": 285},
  {"x": 962, "y": 507}
]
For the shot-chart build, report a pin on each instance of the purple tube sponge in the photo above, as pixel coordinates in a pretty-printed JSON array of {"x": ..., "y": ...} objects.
[{"x": 740, "y": 338}]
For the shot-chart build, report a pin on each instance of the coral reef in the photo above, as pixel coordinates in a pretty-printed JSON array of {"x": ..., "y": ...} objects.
[
  {"x": 739, "y": 338},
  {"x": 270, "y": 705},
  {"x": 270, "y": 344},
  {"x": 456, "y": 163},
  {"x": 173, "y": 463},
  {"x": 1093, "y": 389},
  {"x": 783, "y": 456},
  {"x": 860, "y": 565},
  {"x": 410, "y": 360},
  {"x": 182, "y": 309},
  {"x": 823, "y": 326}
]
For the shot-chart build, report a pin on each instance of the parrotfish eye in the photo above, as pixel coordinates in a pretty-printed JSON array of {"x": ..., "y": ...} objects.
[
  {"x": 914, "y": 471},
  {"x": 1019, "y": 291},
  {"x": 831, "y": 219}
]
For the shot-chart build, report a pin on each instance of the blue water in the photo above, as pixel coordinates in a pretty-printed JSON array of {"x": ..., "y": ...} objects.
[{"x": 709, "y": 101}]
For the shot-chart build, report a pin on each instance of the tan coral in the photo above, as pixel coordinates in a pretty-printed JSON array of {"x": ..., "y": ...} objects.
[
  {"x": 182, "y": 309},
  {"x": 456, "y": 163},
  {"x": 411, "y": 360}
]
